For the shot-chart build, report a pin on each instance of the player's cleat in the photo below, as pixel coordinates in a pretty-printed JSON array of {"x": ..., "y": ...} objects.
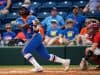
[
  {"x": 38, "y": 69},
  {"x": 84, "y": 64},
  {"x": 98, "y": 67},
  {"x": 66, "y": 64}
]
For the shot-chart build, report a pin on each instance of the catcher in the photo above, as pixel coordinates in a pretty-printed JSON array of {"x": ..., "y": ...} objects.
[{"x": 93, "y": 52}]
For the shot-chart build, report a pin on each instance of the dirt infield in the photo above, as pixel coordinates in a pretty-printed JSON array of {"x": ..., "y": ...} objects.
[{"x": 47, "y": 71}]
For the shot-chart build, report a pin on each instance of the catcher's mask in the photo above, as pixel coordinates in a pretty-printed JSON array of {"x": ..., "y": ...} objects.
[{"x": 93, "y": 28}]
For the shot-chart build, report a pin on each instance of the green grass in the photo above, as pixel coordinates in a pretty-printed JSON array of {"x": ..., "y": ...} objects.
[
  {"x": 18, "y": 66},
  {"x": 29, "y": 66}
]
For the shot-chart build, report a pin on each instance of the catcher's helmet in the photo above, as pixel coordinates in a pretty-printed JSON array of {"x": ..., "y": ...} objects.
[{"x": 92, "y": 28}]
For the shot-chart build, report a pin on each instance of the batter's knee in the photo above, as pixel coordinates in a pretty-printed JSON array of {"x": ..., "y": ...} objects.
[{"x": 26, "y": 54}]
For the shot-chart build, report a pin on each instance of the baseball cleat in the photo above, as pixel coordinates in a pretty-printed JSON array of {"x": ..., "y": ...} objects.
[
  {"x": 84, "y": 64},
  {"x": 38, "y": 69},
  {"x": 98, "y": 67},
  {"x": 66, "y": 64}
]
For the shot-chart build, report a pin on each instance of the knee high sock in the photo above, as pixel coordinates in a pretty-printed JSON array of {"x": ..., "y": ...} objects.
[
  {"x": 32, "y": 60},
  {"x": 57, "y": 59}
]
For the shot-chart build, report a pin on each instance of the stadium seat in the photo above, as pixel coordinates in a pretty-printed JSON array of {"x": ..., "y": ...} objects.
[
  {"x": 63, "y": 14},
  {"x": 2, "y": 17},
  {"x": 10, "y": 17},
  {"x": 42, "y": 15},
  {"x": 2, "y": 27},
  {"x": 15, "y": 1},
  {"x": 81, "y": 3},
  {"x": 64, "y": 6},
  {"x": 48, "y": 4},
  {"x": 16, "y": 6},
  {"x": 93, "y": 14},
  {"x": 13, "y": 15},
  {"x": 46, "y": 7},
  {"x": 35, "y": 4}
]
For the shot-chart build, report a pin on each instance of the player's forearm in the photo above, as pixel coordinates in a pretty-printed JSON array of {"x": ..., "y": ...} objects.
[{"x": 86, "y": 8}]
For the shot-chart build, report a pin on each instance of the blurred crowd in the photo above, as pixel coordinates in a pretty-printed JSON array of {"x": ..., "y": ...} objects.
[{"x": 55, "y": 30}]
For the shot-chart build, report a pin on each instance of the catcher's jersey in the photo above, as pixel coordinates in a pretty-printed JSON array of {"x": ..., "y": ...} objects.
[{"x": 96, "y": 39}]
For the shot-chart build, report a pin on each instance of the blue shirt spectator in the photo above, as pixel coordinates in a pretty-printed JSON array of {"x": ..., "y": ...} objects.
[
  {"x": 54, "y": 30},
  {"x": 78, "y": 18},
  {"x": 70, "y": 32},
  {"x": 3, "y": 4},
  {"x": 47, "y": 21},
  {"x": 52, "y": 35},
  {"x": 9, "y": 34},
  {"x": 20, "y": 21}
]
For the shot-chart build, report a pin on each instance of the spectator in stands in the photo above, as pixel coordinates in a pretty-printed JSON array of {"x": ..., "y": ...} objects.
[
  {"x": 92, "y": 5},
  {"x": 69, "y": 33},
  {"x": 77, "y": 17},
  {"x": 84, "y": 29},
  {"x": 98, "y": 22},
  {"x": 20, "y": 35},
  {"x": 27, "y": 3},
  {"x": 82, "y": 38},
  {"x": 51, "y": 37},
  {"x": 93, "y": 20},
  {"x": 9, "y": 34},
  {"x": 4, "y": 6},
  {"x": 21, "y": 39},
  {"x": 47, "y": 21}
]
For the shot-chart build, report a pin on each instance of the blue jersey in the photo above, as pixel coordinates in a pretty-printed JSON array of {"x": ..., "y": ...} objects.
[
  {"x": 3, "y": 4},
  {"x": 8, "y": 35},
  {"x": 70, "y": 33},
  {"x": 28, "y": 32},
  {"x": 53, "y": 32}
]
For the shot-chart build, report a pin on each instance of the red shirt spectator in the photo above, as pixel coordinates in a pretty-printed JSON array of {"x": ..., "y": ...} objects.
[{"x": 21, "y": 36}]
